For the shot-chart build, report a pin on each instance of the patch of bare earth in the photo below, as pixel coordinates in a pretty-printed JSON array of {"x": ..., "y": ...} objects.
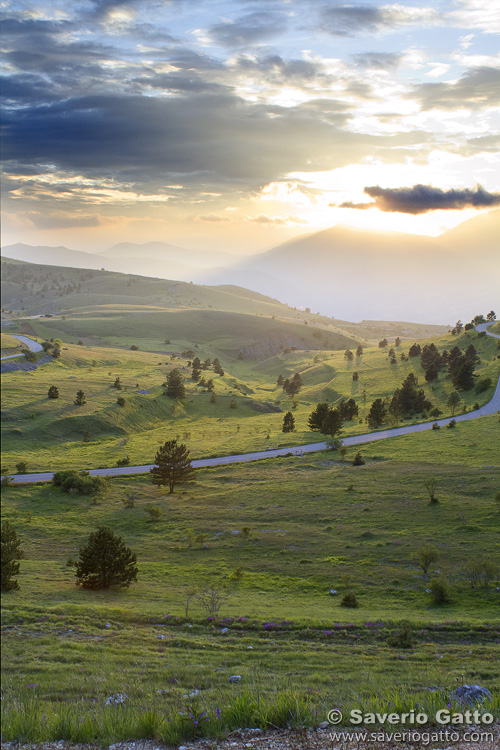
[{"x": 473, "y": 738}]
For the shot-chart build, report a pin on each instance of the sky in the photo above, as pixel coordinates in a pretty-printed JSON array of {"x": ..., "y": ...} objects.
[{"x": 238, "y": 124}]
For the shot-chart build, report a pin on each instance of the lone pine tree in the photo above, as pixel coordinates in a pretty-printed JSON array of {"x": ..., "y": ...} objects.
[
  {"x": 105, "y": 561},
  {"x": 172, "y": 465},
  {"x": 11, "y": 553},
  {"x": 288, "y": 422},
  {"x": 175, "y": 385}
]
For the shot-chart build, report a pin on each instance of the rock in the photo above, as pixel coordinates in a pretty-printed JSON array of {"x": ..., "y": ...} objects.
[
  {"x": 470, "y": 694},
  {"x": 250, "y": 648},
  {"x": 332, "y": 592},
  {"x": 224, "y": 631},
  {"x": 161, "y": 637},
  {"x": 235, "y": 678},
  {"x": 324, "y": 725},
  {"x": 117, "y": 699},
  {"x": 162, "y": 692}
]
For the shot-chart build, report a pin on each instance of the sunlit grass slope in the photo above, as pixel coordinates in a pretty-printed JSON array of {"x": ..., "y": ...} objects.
[{"x": 48, "y": 434}]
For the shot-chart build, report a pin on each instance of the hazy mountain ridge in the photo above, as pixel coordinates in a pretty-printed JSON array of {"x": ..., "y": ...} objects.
[{"x": 341, "y": 271}]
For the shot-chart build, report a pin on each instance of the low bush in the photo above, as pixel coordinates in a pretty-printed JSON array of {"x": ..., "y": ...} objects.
[
  {"x": 79, "y": 482},
  {"x": 349, "y": 600}
]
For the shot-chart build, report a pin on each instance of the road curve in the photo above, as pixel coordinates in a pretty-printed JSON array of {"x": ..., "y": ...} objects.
[
  {"x": 492, "y": 407},
  {"x": 33, "y": 346}
]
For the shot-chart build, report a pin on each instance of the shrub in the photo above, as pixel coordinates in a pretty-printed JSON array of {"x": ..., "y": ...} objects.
[
  {"x": 349, "y": 600},
  {"x": 123, "y": 461},
  {"x": 22, "y": 467},
  {"x": 358, "y": 460},
  {"x": 425, "y": 557},
  {"x": 440, "y": 590},
  {"x": 483, "y": 385},
  {"x": 120, "y": 401},
  {"x": 53, "y": 392},
  {"x": 435, "y": 426},
  {"x": 134, "y": 348},
  {"x": 128, "y": 501},
  {"x": 403, "y": 637},
  {"x": 154, "y": 513},
  {"x": 452, "y": 423},
  {"x": 79, "y": 482}
]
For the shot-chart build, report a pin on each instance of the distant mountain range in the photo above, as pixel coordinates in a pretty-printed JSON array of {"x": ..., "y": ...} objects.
[{"x": 348, "y": 273}]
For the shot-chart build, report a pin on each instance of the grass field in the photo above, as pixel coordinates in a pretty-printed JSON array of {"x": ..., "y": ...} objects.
[
  {"x": 273, "y": 538},
  {"x": 313, "y": 524},
  {"x": 48, "y": 433}
]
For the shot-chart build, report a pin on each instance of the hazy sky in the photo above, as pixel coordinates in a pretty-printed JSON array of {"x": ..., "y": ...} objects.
[{"x": 237, "y": 124}]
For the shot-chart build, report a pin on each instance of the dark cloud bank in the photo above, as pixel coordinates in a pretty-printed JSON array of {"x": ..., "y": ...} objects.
[{"x": 420, "y": 199}]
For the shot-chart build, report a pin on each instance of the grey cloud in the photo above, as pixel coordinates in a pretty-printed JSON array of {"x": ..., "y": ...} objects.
[
  {"x": 477, "y": 88},
  {"x": 377, "y": 60},
  {"x": 282, "y": 69},
  {"x": 249, "y": 30},
  {"x": 348, "y": 20},
  {"x": 215, "y": 139},
  {"x": 420, "y": 199},
  {"x": 179, "y": 82}
]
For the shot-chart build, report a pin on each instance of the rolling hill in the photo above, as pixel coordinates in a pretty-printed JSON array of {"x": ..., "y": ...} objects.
[{"x": 341, "y": 271}]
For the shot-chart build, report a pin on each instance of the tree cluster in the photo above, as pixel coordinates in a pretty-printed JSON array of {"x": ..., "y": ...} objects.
[
  {"x": 292, "y": 386},
  {"x": 325, "y": 419}
]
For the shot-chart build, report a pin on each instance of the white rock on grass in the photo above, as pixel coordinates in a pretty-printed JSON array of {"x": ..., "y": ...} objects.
[
  {"x": 117, "y": 699},
  {"x": 235, "y": 678}
]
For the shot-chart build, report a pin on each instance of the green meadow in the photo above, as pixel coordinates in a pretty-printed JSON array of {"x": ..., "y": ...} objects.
[
  {"x": 56, "y": 433},
  {"x": 279, "y": 542},
  {"x": 274, "y": 537}
]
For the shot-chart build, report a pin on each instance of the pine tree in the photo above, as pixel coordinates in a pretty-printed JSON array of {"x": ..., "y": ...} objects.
[
  {"x": 359, "y": 351},
  {"x": 217, "y": 367},
  {"x": 377, "y": 413},
  {"x": 333, "y": 423},
  {"x": 348, "y": 355},
  {"x": 288, "y": 422},
  {"x": 105, "y": 562},
  {"x": 175, "y": 385},
  {"x": 172, "y": 465},
  {"x": 317, "y": 417},
  {"x": 11, "y": 553},
  {"x": 53, "y": 392},
  {"x": 80, "y": 399},
  {"x": 117, "y": 384}
]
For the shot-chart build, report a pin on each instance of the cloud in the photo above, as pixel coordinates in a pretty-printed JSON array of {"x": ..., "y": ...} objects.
[
  {"x": 213, "y": 137},
  {"x": 350, "y": 20},
  {"x": 252, "y": 29},
  {"x": 213, "y": 217},
  {"x": 378, "y": 60},
  {"x": 477, "y": 88},
  {"x": 420, "y": 199},
  {"x": 61, "y": 221}
]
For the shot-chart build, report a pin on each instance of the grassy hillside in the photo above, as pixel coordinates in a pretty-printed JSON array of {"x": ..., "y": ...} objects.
[
  {"x": 245, "y": 415},
  {"x": 50, "y": 290},
  {"x": 277, "y": 535}
]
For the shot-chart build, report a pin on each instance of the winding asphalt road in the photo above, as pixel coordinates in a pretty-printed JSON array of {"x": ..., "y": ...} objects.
[
  {"x": 492, "y": 407},
  {"x": 33, "y": 346}
]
